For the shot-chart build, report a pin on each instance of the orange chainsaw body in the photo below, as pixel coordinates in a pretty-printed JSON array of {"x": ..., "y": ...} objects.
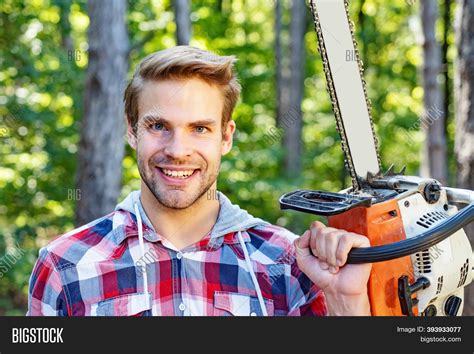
[{"x": 382, "y": 224}]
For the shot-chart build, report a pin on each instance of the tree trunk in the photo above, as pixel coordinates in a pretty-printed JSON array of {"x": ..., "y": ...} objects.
[
  {"x": 65, "y": 25},
  {"x": 278, "y": 62},
  {"x": 101, "y": 148},
  {"x": 464, "y": 115},
  {"x": 183, "y": 21},
  {"x": 282, "y": 70},
  {"x": 434, "y": 159},
  {"x": 447, "y": 22},
  {"x": 362, "y": 31},
  {"x": 292, "y": 120}
]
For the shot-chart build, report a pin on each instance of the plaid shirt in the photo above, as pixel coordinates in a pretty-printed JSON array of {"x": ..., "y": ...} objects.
[{"x": 97, "y": 270}]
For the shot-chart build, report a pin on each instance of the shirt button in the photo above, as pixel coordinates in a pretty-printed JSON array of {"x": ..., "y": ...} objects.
[
  {"x": 182, "y": 306},
  {"x": 253, "y": 314},
  {"x": 179, "y": 255}
]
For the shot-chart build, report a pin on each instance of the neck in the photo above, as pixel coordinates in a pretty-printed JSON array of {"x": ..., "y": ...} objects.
[{"x": 181, "y": 227}]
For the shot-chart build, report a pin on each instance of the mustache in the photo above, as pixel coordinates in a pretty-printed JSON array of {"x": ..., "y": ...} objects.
[{"x": 161, "y": 160}]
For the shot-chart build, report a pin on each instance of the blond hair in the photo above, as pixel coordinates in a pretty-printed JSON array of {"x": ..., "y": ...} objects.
[{"x": 182, "y": 62}]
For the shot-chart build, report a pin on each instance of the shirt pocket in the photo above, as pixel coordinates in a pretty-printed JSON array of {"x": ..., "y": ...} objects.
[
  {"x": 135, "y": 304},
  {"x": 235, "y": 304}
]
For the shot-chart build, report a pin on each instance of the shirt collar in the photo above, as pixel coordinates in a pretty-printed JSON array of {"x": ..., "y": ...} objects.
[{"x": 130, "y": 228}]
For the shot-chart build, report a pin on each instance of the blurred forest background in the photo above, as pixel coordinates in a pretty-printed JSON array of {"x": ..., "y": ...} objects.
[{"x": 64, "y": 64}]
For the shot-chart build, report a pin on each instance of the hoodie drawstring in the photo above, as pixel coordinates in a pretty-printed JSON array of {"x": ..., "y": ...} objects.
[
  {"x": 252, "y": 275},
  {"x": 242, "y": 244},
  {"x": 142, "y": 249}
]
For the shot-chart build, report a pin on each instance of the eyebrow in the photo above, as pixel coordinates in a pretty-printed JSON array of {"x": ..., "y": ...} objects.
[
  {"x": 204, "y": 122},
  {"x": 158, "y": 118},
  {"x": 150, "y": 116}
]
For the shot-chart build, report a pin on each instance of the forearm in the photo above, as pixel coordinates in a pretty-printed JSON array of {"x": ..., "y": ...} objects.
[{"x": 356, "y": 305}]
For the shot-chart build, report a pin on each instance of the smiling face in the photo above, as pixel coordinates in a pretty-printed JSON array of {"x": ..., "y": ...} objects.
[{"x": 179, "y": 139}]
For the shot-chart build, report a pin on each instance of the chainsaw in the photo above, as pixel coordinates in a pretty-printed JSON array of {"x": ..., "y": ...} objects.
[{"x": 422, "y": 258}]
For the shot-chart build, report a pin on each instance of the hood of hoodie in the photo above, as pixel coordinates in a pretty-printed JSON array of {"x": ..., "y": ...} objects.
[{"x": 231, "y": 217}]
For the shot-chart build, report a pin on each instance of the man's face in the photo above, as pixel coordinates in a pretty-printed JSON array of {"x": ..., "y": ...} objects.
[{"x": 179, "y": 140}]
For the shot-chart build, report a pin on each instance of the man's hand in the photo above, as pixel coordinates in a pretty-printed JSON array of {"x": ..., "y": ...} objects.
[{"x": 321, "y": 253}]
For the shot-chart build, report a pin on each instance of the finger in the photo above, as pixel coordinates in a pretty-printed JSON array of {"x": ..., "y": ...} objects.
[
  {"x": 331, "y": 243},
  {"x": 302, "y": 244},
  {"x": 320, "y": 241},
  {"x": 317, "y": 225},
  {"x": 360, "y": 240},
  {"x": 313, "y": 243},
  {"x": 323, "y": 265},
  {"x": 346, "y": 243}
]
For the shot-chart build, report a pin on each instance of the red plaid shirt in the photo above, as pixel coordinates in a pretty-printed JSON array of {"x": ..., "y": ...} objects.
[{"x": 98, "y": 270}]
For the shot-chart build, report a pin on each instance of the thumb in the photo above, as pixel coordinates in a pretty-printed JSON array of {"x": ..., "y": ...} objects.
[{"x": 302, "y": 244}]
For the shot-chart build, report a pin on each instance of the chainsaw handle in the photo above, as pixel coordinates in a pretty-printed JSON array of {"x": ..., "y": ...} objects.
[
  {"x": 414, "y": 244},
  {"x": 458, "y": 195}
]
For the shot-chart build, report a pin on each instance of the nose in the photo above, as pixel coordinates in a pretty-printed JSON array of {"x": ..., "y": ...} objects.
[{"x": 178, "y": 146}]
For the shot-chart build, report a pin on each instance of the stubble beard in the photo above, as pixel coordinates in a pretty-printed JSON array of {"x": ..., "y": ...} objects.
[{"x": 175, "y": 197}]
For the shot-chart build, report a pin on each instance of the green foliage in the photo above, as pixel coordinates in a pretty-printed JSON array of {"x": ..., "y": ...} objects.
[{"x": 43, "y": 86}]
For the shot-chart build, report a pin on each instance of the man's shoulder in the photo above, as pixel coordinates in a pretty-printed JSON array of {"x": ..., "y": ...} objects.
[
  {"x": 95, "y": 241},
  {"x": 275, "y": 242}
]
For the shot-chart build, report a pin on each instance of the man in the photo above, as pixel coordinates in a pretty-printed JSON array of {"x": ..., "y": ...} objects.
[{"x": 169, "y": 249}]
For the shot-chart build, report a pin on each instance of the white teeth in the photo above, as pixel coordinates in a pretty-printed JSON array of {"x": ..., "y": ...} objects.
[{"x": 178, "y": 174}]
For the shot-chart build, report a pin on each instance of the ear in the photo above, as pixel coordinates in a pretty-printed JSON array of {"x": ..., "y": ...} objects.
[
  {"x": 228, "y": 137},
  {"x": 131, "y": 136}
]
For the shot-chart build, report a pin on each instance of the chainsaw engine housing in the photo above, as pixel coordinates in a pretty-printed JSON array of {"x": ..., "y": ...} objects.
[
  {"x": 429, "y": 282},
  {"x": 447, "y": 265}
]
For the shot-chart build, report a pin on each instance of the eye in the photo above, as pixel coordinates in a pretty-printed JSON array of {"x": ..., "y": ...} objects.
[
  {"x": 157, "y": 126},
  {"x": 201, "y": 129}
]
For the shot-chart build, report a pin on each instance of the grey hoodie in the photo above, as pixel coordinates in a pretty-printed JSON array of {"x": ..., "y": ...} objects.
[{"x": 231, "y": 217}]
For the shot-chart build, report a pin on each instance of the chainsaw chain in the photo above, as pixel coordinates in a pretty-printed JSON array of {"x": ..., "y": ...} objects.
[{"x": 356, "y": 184}]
